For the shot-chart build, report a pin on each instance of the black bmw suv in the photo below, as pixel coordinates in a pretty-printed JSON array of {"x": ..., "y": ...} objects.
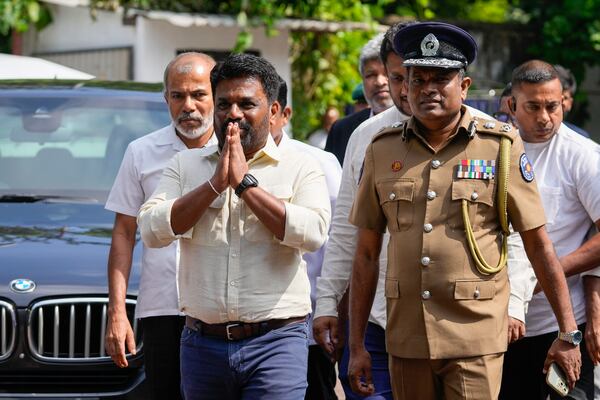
[{"x": 61, "y": 144}]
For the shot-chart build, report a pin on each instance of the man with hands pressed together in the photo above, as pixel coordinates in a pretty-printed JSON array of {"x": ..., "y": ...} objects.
[
  {"x": 244, "y": 214},
  {"x": 446, "y": 285}
]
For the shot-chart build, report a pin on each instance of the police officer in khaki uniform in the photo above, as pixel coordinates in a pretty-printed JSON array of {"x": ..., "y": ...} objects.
[{"x": 446, "y": 185}]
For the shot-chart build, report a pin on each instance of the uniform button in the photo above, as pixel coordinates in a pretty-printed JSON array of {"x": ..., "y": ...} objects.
[
  {"x": 431, "y": 195},
  {"x": 474, "y": 196},
  {"x": 476, "y": 293},
  {"x": 425, "y": 261},
  {"x": 426, "y": 295},
  {"x": 427, "y": 228},
  {"x": 392, "y": 196},
  {"x": 234, "y": 255},
  {"x": 232, "y": 283},
  {"x": 436, "y": 163}
]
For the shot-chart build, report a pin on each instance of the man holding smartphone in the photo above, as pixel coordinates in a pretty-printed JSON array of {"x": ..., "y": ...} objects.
[
  {"x": 433, "y": 183},
  {"x": 567, "y": 167}
]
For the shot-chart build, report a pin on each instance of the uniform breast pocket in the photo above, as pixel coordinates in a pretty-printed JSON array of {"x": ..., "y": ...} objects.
[
  {"x": 254, "y": 229},
  {"x": 396, "y": 197},
  {"x": 474, "y": 290},
  {"x": 551, "y": 200},
  {"x": 479, "y": 195}
]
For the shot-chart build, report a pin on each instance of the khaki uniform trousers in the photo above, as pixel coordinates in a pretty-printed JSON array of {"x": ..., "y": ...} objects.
[{"x": 472, "y": 378}]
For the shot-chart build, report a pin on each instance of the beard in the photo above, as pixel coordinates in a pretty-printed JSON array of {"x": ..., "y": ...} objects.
[{"x": 205, "y": 124}]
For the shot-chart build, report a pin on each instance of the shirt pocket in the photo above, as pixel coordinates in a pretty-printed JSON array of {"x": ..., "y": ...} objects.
[
  {"x": 254, "y": 229},
  {"x": 551, "y": 200},
  {"x": 474, "y": 290},
  {"x": 396, "y": 197},
  {"x": 479, "y": 195},
  {"x": 210, "y": 228}
]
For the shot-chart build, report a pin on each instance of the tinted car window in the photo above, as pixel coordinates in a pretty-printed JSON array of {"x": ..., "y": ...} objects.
[{"x": 68, "y": 143}]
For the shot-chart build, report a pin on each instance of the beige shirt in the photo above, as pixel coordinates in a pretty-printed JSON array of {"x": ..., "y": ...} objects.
[
  {"x": 439, "y": 305},
  {"x": 232, "y": 268}
]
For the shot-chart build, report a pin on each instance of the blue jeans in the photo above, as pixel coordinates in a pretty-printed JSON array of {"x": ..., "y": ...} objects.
[
  {"x": 270, "y": 366},
  {"x": 375, "y": 345}
]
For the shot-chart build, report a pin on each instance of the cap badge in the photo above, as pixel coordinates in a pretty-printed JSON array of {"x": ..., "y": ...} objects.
[
  {"x": 429, "y": 45},
  {"x": 396, "y": 166}
]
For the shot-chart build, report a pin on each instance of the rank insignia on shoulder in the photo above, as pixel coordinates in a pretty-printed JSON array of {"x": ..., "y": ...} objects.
[
  {"x": 396, "y": 124},
  {"x": 489, "y": 125},
  {"x": 476, "y": 169},
  {"x": 526, "y": 168},
  {"x": 396, "y": 165},
  {"x": 506, "y": 128}
]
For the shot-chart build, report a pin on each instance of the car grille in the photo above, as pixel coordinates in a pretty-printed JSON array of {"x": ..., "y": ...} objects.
[
  {"x": 8, "y": 329},
  {"x": 72, "y": 329}
]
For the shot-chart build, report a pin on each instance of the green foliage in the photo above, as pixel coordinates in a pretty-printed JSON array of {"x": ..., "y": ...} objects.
[
  {"x": 467, "y": 10},
  {"x": 18, "y": 15},
  {"x": 568, "y": 34}
]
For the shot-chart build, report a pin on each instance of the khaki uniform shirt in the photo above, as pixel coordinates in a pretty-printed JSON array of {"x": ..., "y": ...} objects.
[{"x": 438, "y": 304}]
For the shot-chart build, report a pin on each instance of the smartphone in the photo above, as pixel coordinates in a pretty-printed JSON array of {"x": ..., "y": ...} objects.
[{"x": 555, "y": 378}]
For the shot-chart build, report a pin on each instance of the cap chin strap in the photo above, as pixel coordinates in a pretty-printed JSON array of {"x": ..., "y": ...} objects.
[{"x": 502, "y": 196}]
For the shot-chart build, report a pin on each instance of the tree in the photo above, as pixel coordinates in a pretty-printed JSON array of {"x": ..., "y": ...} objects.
[{"x": 569, "y": 34}]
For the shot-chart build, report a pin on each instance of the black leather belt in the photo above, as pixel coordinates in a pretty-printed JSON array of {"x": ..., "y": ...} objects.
[{"x": 238, "y": 330}]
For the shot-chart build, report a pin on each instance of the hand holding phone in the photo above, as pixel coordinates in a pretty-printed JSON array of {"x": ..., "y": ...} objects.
[{"x": 555, "y": 378}]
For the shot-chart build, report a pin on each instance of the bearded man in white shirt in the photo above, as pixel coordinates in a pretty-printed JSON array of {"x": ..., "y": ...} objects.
[
  {"x": 244, "y": 214},
  {"x": 567, "y": 168},
  {"x": 188, "y": 94}
]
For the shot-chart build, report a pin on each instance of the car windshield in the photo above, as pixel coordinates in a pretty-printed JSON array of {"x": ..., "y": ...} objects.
[{"x": 70, "y": 144}]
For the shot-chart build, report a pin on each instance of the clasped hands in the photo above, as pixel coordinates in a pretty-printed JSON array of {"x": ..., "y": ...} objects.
[{"x": 232, "y": 164}]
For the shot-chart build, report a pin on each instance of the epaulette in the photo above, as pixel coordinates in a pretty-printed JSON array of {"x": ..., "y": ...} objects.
[
  {"x": 493, "y": 127},
  {"x": 395, "y": 128}
]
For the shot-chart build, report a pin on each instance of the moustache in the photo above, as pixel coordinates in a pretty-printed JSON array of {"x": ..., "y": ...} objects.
[{"x": 186, "y": 116}]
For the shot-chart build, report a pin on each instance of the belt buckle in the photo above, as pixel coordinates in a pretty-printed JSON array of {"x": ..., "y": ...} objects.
[{"x": 227, "y": 327}]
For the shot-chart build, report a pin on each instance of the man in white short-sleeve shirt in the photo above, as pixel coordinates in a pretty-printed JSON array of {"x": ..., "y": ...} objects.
[
  {"x": 188, "y": 96},
  {"x": 566, "y": 167}
]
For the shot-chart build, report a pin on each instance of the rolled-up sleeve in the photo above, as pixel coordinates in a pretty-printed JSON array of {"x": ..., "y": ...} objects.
[
  {"x": 308, "y": 213},
  {"x": 154, "y": 217}
]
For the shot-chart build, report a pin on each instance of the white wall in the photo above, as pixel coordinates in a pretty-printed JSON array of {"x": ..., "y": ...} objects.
[
  {"x": 158, "y": 41},
  {"x": 74, "y": 29}
]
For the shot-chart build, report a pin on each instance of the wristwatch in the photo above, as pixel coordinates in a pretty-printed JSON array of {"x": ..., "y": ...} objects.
[
  {"x": 247, "y": 181},
  {"x": 574, "y": 337}
]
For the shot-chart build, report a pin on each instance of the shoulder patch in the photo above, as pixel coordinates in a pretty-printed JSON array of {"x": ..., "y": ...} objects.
[
  {"x": 526, "y": 168},
  {"x": 497, "y": 128},
  {"x": 396, "y": 129}
]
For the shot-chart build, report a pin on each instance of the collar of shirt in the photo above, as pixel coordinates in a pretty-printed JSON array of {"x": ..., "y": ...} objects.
[
  {"x": 172, "y": 139},
  {"x": 411, "y": 128}
]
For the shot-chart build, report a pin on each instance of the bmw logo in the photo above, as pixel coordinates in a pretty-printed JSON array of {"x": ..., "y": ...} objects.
[{"x": 22, "y": 285}]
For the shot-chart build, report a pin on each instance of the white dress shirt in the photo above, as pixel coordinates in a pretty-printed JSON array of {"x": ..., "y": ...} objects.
[
  {"x": 333, "y": 175},
  {"x": 232, "y": 268},
  {"x": 339, "y": 255},
  {"x": 567, "y": 169},
  {"x": 138, "y": 176}
]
